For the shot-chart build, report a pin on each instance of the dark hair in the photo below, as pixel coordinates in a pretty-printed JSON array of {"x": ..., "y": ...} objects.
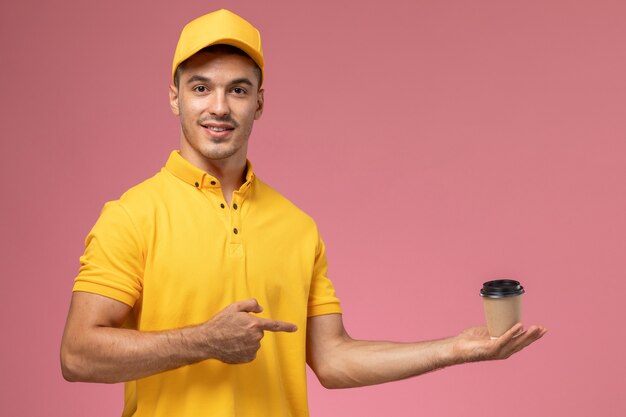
[{"x": 221, "y": 49}]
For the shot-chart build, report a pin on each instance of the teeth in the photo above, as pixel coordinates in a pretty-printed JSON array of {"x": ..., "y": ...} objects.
[{"x": 217, "y": 129}]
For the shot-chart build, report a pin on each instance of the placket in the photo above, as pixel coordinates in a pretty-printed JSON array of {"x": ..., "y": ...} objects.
[
  {"x": 236, "y": 221},
  {"x": 235, "y": 245},
  {"x": 212, "y": 190},
  {"x": 231, "y": 216}
]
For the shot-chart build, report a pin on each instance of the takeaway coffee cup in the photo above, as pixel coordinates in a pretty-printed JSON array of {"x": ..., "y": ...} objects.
[{"x": 502, "y": 300}]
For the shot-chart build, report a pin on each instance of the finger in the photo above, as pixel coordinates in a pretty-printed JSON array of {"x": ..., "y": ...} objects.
[
  {"x": 277, "y": 326},
  {"x": 248, "y": 306},
  {"x": 542, "y": 330},
  {"x": 513, "y": 332},
  {"x": 533, "y": 334}
]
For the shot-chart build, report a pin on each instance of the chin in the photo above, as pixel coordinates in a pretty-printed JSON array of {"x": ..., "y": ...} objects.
[{"x": 218, "y": 155}]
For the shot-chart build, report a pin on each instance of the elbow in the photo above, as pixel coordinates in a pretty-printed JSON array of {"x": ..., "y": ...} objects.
[
  {"x": 70, "y": 365},
  {"x": 68, "y": 368},
  {"x": 73, "y": 366},
  {"x": 332, "y": 383},
  {"x": 332, "y": 377},
  {"x": 326, "y": 379},
  {"x": 69, "y": 376},
  {"x": 77, "y": 367},
  {"x": 335, "y": 382}
]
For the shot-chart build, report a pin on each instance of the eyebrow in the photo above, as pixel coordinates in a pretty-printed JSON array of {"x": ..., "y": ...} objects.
[
  {"x": 242, "y": 80},
  {"x": 195, "y": 78}
]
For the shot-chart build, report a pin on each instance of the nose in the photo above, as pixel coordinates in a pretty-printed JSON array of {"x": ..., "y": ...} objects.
[{"x": 218, "y": 104}]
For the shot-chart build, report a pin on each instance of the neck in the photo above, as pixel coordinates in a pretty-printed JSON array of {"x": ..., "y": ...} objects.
[
  {"x": 231, "y": 172},
  {"x": 231, "y": 180}
]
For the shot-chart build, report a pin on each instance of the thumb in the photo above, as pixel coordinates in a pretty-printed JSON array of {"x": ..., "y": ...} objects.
[{"x": 248, "y": 306}]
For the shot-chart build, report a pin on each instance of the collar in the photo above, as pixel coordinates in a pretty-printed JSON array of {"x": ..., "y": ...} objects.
[{"x": 194, "y": 176}]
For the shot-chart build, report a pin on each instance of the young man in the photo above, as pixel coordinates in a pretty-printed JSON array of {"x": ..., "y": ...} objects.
[{"x": 205, "y": 290}]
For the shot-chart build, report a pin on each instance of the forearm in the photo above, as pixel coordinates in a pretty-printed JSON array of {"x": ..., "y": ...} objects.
[
  {"x": 357, "y": 363},
  {"x": 342, "y": 362},
  {"x": 107, "y": 354},
  {"x": 95, "y": 348}
]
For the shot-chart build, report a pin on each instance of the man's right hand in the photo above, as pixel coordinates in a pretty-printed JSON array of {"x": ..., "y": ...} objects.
[
  {"x": 96, "y": 348},
  {"x": 234, "y": 335}
]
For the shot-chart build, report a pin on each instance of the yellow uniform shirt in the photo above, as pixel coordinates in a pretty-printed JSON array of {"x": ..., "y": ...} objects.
[{"x": 173, "y": 250}]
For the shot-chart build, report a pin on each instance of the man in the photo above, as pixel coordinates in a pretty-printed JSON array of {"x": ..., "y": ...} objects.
[{"x": 205, "y": 290}]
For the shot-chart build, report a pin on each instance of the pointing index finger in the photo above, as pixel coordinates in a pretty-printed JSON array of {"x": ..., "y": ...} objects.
[{"x": 277, "y": 325}]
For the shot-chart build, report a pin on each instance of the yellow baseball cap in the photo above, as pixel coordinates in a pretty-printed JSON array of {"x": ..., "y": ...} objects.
[{"x": 222, "y": 27}]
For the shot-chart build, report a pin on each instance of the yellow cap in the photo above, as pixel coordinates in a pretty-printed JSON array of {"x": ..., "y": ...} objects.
[{"x": 222, "y": 27}]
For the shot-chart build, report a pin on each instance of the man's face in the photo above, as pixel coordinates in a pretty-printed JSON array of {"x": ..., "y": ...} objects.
[{"x": 217, "y": 99}]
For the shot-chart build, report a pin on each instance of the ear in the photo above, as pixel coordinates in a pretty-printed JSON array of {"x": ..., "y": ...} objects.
[
  {"x": 260, "y": 103},
  {"x": 174, "y": 99}
]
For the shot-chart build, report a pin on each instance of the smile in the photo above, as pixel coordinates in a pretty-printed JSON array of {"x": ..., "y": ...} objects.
[
  {"x": 218, "y": 127},
  {"x": 218, "y": 131}
]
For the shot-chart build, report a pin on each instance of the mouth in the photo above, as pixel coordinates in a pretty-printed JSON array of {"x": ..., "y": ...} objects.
[{"x": 218, "y": 130}]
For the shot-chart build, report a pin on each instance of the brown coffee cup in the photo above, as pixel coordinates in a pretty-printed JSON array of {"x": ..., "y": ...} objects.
[{"x": 502, "y": 300}]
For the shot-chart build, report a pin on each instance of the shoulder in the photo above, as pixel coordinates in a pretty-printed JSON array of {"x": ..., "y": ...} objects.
[
  {"x": 280, "y": 205},
  {"x": 138, "y": 204},
  {"x": 145, "y": 189},
  {"x": 146, "y": 195}
]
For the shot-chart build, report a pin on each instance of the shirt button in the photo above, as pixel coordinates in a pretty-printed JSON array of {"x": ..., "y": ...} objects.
[
  {"x": 235, "y": 231},
  {"x": 213, "y": 183},
  {"x": 235, "y": 206},
  {"x": 197, "y": 185},
  {"x": 222, "y": 205}
]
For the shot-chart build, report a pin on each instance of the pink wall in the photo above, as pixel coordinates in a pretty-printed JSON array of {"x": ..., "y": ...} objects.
[{"x": 437, "y": 143}]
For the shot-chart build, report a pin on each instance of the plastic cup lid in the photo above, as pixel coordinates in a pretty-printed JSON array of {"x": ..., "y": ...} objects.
[{"x": 501, "y": 288}]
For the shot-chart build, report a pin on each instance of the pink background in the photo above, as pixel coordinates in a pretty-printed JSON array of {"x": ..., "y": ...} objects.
[{"x": 438, "y": 144}]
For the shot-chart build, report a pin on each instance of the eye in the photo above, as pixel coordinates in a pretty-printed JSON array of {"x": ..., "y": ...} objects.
[
  {"x": 200, "y": 89},
  {"x": 239, "y": 90}
]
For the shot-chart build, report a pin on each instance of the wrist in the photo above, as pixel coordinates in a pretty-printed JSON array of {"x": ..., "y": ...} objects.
[
  {"x": 445, "y": 353},
  {"x": 195, "y": 342},
  {"x": 457, "y": 354}
]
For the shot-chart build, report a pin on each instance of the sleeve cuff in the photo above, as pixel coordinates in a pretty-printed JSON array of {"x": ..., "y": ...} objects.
[
  {"x": 320, "y": 310},
  {"x": 105, "y": 291}
]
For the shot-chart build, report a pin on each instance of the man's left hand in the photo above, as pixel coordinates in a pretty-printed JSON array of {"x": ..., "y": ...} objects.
[{"x": 474, "y": 344}]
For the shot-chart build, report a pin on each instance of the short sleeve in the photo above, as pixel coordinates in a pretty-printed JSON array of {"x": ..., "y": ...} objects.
[
  {"x": 113, "y": 262},
  {"x": 322, "y": 297}
]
